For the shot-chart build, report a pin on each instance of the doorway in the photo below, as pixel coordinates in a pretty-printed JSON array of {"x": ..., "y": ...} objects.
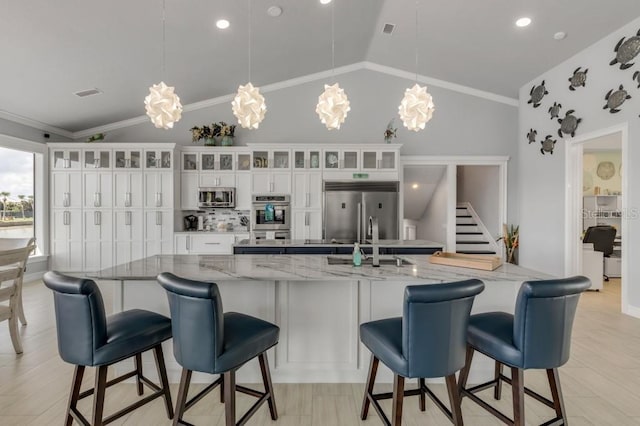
[{"x": 595, "y": 197}]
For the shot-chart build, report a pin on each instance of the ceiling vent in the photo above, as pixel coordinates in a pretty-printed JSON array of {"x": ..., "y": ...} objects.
[
  {"x": 89, "y": 92},
  {"x": 388, "y": 28}
]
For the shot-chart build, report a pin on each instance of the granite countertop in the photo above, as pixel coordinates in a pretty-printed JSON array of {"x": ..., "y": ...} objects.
[
  {"x": 302, "y": 268},
  {"x": 336, "y": 243}
]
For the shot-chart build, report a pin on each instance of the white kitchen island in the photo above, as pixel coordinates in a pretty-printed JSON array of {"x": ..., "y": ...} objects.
[{"x": 317, "y": 306}]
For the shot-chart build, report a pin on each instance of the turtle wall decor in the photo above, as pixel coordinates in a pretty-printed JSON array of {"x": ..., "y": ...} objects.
[
  {"x": 554, "y": 110},
  {"x": 568, "y": 124},
  {"x": 547, "y": 145},
  {"x": 615, "y": 99},
  {"x": 531, "y": 136},
  {"x": 626, "y": 51},
  {"x": 537, "y": 93},
  {"x": 578, "y": 79},
  {"x": 636, "y": 77}
]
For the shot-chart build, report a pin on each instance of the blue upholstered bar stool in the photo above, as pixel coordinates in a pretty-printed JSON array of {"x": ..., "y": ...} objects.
[
  {"x": 537, "y": 336},
  {"x": 88, "y": 338},
  {"x": 428, "y": 341},
  {"x": 209, "y": 341}
]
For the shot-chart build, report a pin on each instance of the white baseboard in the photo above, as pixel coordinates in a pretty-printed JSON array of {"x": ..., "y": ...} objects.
[
  {"x": 34, "y": 276},
  {"x": 633, "y": 311}
]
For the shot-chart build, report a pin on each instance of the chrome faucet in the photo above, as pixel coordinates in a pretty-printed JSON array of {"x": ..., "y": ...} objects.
[{"x": 374, "y": 232}]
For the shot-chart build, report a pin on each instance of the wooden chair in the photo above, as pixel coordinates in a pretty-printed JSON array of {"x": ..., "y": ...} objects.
[
  {"x": 12, "y": 244},
  {"x": 12, "y": 265}
]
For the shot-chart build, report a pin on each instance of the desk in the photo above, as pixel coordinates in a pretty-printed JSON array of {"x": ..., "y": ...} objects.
[{"x": 592, "y": 266}]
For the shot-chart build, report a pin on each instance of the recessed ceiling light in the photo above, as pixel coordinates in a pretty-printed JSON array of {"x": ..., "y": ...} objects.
[
  {"x": 414, "y": 186},
  {"x": 523, "y": 22},
  {"x": 560, "y": 35},
  {"x": 325, "y": 1},
  {"x": 274, "y": 11},
  {"x": 223, "y": 24}
]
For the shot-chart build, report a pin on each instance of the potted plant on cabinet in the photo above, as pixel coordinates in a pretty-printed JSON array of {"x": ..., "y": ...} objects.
[{"x": 210, "y": 134}]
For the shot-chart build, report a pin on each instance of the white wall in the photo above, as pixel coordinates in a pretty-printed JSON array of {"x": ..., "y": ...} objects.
[
  {"x": 480, "y": 186},
  {"x": 433, "y": 224},
  {"x": 542, "y": 178}
]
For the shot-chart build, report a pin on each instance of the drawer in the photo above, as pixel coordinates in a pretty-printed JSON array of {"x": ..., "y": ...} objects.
[{"x": 212, "y": 244}]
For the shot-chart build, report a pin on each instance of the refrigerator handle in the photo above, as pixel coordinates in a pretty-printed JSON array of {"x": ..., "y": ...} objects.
[{"x": 359, "y": 227}]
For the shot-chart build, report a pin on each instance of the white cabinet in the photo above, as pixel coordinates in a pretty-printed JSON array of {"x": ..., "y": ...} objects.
[
  {"x": 128, "y": 236},
  {"x": 271, "y": 182},
  {"x": 217, "y": 161},
  {"x": 189, "y": 191},
  {"x": 66, "y": 190},
  {"x": 158, "y": 189},
  {"x": 341, "y": 159},
  {"x": 309, "y": 159},
  {"x": 204, "y": 243},
  {"x": 243, "y": 191},
  {"x": 127, "y": 190},
  {"x": 190, "y": 161},
  {"x": 127, "y": 159},
  {"x": 307, "y": 190},
  {"x": 65, "y": 158},
  {"x": 96, "y": 159},
  {"x": 98, "y": 239},
  {"x": 66, "y": 239},
  {"x": 158, "y": 159},
  {"x": 225, "y": 180},
  {"x": 307, "y": 224},
  {"x": 379, "y": 160},
  {"x": 158, "y": 232},
  {"x": 98, "y": 189}
]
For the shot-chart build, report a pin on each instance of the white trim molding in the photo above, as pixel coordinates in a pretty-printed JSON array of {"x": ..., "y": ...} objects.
[
  {"x": 573, "y": 208},
  {"x": 35, "y": 124}
]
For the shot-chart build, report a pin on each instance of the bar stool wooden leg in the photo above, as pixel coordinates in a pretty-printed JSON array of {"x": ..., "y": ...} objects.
[
  {"x": 373, "y": 370},
  {"x": 98, "y": 396},
  {"x": 454, "y": 400},
  {"x": 181, "y": 401},
  {"x": 13, "y": 331},
  {"x": 556, "y": 392},
  {"x": 398, "y": 396},
  {"x": 497, "y": 391},
  {"x": 517, "y": 390},
  {"x": 222, "y": 388},
  {"x": 230, "y": 398},
  {"x": 78, "y": 373},
  {"x": 464, "y": 373},
  {"x": 164, "y": 381},
  {"x": 268, "y": 386},
  {"x": 23, "y": 319},
  {"x": 137, "y": 360}
]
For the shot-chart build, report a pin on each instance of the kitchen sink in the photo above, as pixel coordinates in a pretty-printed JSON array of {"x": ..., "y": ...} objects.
[{"x": 384, "y": 260}]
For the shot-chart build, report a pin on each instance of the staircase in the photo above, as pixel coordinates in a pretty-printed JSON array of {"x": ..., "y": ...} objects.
[{"x": 472, "y": 237}]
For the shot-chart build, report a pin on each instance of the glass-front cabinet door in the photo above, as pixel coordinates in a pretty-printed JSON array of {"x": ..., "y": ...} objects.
[
  {"x": 379, "y": 160},
  {"x": 281, "y": 160},
  {"x": 97, "y": 159},
  {"x": 244, "y": 162},
  {"x": 350, "y": 159},
  {"x": 388, "y": 160},
  {"x": 369, "y": 160},
  {"x": 306, "y": 159},
  {"x": 225, "y": 162},
  {"x": 157, "y": 159},
  {"x": 190, "y": 162},
  {"x": 332, "y": 160},
  {"x": 208, "y": 162},
  {"x": 65, "y": 159},
  {"x": 127, "y": 159},
  {"x": 260, "y": 159}
]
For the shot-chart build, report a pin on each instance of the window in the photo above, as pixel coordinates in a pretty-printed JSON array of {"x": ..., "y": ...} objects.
[{"x": 16, "y": 194}]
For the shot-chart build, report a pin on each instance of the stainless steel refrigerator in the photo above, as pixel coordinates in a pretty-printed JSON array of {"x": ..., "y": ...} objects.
[{"x": 348, "y": 206}]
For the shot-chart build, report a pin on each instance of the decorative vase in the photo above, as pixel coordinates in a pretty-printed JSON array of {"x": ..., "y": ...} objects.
[
  {"x": 209, "y": 142},
  {"x": 226, "y": 141}
]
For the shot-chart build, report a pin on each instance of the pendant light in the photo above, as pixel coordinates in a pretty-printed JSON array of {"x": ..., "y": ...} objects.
[
  {"x": 248, "y": 106},
  {"x": 417, "y": 107},
  {"x": 162, "y": 104},
  {"x": 333, "y": 104}
]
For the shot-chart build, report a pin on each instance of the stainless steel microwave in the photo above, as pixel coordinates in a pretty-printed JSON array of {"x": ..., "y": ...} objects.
[{"x": 209, "y": 198}]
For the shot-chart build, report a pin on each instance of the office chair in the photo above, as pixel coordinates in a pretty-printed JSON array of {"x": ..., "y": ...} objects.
[{"x": 602, "y": 237}]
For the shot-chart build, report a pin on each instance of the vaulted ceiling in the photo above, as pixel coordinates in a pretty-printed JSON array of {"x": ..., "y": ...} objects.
[{"x": 51, "y": 49}]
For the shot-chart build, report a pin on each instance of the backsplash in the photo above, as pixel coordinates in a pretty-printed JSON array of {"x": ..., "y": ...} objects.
[{"x": 224, "y": 219}]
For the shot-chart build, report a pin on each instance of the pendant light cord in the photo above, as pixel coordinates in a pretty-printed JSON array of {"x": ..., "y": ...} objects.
[
  {"x": 249, "y": 61},
  {"x": 164, "y": 38},
  {"x": 333, "y": 43},
  {"x": 416, "y": 41}
]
